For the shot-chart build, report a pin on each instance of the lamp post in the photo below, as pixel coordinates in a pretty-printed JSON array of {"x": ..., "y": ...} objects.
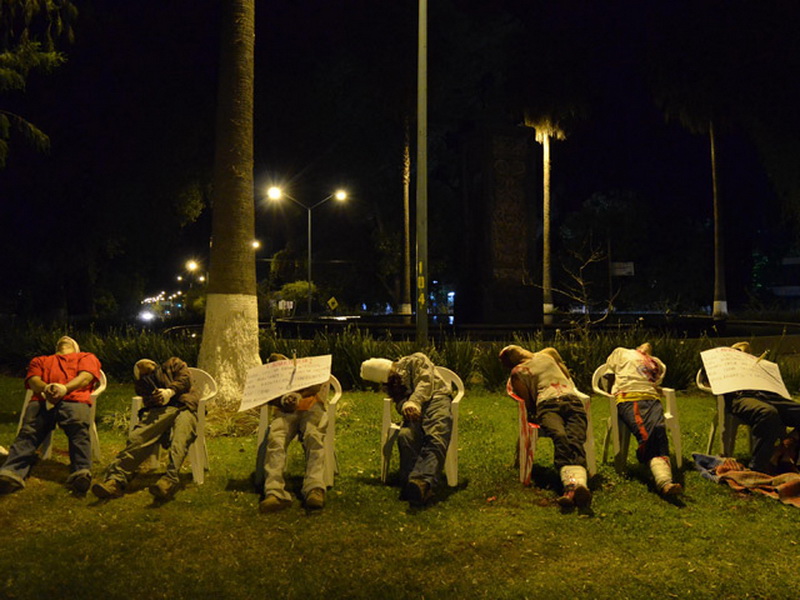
[{"x": 276, "y": 193}]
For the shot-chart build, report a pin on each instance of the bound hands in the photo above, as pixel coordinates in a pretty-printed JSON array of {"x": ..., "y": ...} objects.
[
  {"x": 159, "y": 397},
  {"x": 288, "y": 402},
  {"x": 412, "y": 412},
  {"x": 54, "y": 392}
]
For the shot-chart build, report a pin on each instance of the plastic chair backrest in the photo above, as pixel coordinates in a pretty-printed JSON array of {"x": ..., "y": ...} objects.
[
  {"x": 204, "y": 382},
  {"x": 337, "y": 390},
  {"x": 453, "y": 380},
  {"x": 702, "y": 382},
  {"x": 603, "y": 381},
  {"x": 100, "y": 386}
]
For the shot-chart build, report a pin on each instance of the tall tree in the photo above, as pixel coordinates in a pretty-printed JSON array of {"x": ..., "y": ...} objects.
[
  {"x": 29, "y": 30},
  {"x": 694, "y": 81},
  {"x": 230, "y": 333},
  {"x": 546, "y": 130},
  {"x": 555, "y": 72}
]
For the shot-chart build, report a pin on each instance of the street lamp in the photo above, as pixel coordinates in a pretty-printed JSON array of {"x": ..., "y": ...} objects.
[{"x": 276, "y": 193}]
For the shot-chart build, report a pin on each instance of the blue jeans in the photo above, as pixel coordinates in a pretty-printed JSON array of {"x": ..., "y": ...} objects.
[
  {"x": 423, "y": 444},
  {"x": 645, "y": 419},
  {"x": 72, "y": 417}
]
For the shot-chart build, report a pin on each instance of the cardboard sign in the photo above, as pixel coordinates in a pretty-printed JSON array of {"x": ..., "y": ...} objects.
[
  {"x": 273, "y": 380},
  {"x": 730, "y": 370}
]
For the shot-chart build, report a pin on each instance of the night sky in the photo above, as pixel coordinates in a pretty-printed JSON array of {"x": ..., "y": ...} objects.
[{"x": 111, "y": 213}]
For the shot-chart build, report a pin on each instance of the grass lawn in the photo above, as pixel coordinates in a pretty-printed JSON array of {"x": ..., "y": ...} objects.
[{"x": 488, "y": 538}]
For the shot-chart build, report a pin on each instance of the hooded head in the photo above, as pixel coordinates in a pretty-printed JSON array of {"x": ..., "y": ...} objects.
[
  {"x": 66, "y": 345},
  {"x": 512, "y": 355},
  {"x": 376, "y": 369},
  {"x": 646, "y": 348},
  {"x": 143, "y": 367},
  {"x": 742, "y": 347}
]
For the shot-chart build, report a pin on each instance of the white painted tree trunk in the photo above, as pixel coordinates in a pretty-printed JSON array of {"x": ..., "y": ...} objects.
[{"x": 230, "y": 345}]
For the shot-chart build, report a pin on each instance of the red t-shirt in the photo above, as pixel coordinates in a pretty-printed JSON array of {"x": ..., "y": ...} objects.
[{"x": 63, "y": 368}]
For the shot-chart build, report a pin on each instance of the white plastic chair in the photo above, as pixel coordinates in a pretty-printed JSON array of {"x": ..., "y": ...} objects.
[
  {"x": 203, "y": 383},
  {"x": 618, "y": 432},
  {"x": 329, "y": 448},
  {"x": 723, "y": 420},
  {"x": 46, "y": 447},
  {"x": 390, "y": 430},
  {"x": 529, "y": 437}
]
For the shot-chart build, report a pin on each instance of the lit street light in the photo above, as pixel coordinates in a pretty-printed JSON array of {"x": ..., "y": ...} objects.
[{"x": 275, "y": 193}]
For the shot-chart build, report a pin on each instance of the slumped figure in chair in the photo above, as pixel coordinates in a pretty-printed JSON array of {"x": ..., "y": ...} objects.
[
  {"x": 543, "y": 382},
  {"x": 169, "y": 413},
  {"x": 637, "y": 379},
  {"x": 62, "y": 386},
  {"x": 423, "y": 398},
  {"x": 297, "y": 413},
  {"x": 768, "y": 416}
]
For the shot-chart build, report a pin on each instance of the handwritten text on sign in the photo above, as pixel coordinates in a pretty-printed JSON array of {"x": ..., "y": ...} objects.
[
  {"x": 730, "y": 370},
  {"x": 273, "y": 380}
]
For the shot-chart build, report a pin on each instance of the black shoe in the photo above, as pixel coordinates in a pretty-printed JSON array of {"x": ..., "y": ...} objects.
[
  {"x": 9, "y": 485},
  {"x": 418, "y": 492},
  {"x": 583, "y": 496},
  {"x": 79, "y": 483}
]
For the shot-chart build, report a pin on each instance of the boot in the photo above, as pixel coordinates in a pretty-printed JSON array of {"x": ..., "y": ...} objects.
[
  {"x": 662, "y": 475},
  {"x": 576, "y": 492},
  {"x": 108, "y": 489}
]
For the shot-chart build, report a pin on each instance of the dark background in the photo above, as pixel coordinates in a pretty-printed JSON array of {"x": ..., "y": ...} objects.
[{"x": 121, "y": 200}]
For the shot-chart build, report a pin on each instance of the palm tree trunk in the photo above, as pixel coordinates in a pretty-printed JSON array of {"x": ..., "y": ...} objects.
[
  {"x": 547, "y": 284},
  {"x": 720, "y": 310},
  {"x": 230, "y": 333}
]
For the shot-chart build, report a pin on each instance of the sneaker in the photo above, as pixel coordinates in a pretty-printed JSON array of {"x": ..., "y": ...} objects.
[
  {"x": 10, "y": 484},
  {"x": 108, "y": 489},
  {"x": 79, "y": 482},
  {"x": 583, "y": 496},
  {"x": 272, "y": 504},
  {"x": 671, "y": 490},
  {"x": 315, "y": 499},
  {"x": 164, "y": 489},
  {"x": 418, "y": 492}
]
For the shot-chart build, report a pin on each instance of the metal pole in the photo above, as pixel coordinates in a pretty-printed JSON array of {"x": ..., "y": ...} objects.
[
  {"x": 422, "y": 176},
  {"x": 309, "y": 262}
]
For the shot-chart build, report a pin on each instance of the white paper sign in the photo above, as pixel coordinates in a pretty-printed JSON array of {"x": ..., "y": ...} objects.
[
  {"x": 273, "y": 380},
  {"x": 730, "y": 370}
]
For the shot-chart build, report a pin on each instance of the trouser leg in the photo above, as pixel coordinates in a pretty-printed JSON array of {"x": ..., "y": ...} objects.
[
  {"x": 645, "y": 419},
  {"x": 144, "y": 436},
  {"x": 38, "y": 422},
  {"x": 281, "y": 431},
  {"x": 564, "y": 421},
  {"x": 313, "y": 428},
  {"x": 75, "y": 419},
  {"x": 437, "y": 426},
  {"x": 765, "y": 425},
  {"x": 184, "y": 433},
  {"x": 409, "y": 444}
]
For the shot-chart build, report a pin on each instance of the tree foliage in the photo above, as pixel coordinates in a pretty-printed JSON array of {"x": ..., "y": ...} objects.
[{"x": 29, "y": 33}]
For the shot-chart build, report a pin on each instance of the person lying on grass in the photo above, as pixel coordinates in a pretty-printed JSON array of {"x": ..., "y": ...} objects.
[
  {"x": 302, "y": 414},
  {"x": 423, "y": 398},
  {"x": 62, "y": 385},
  {"x": 637, "y": 377},
  {"x": 543, "y": 382},
  {"x": 169, "y": 414}
]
